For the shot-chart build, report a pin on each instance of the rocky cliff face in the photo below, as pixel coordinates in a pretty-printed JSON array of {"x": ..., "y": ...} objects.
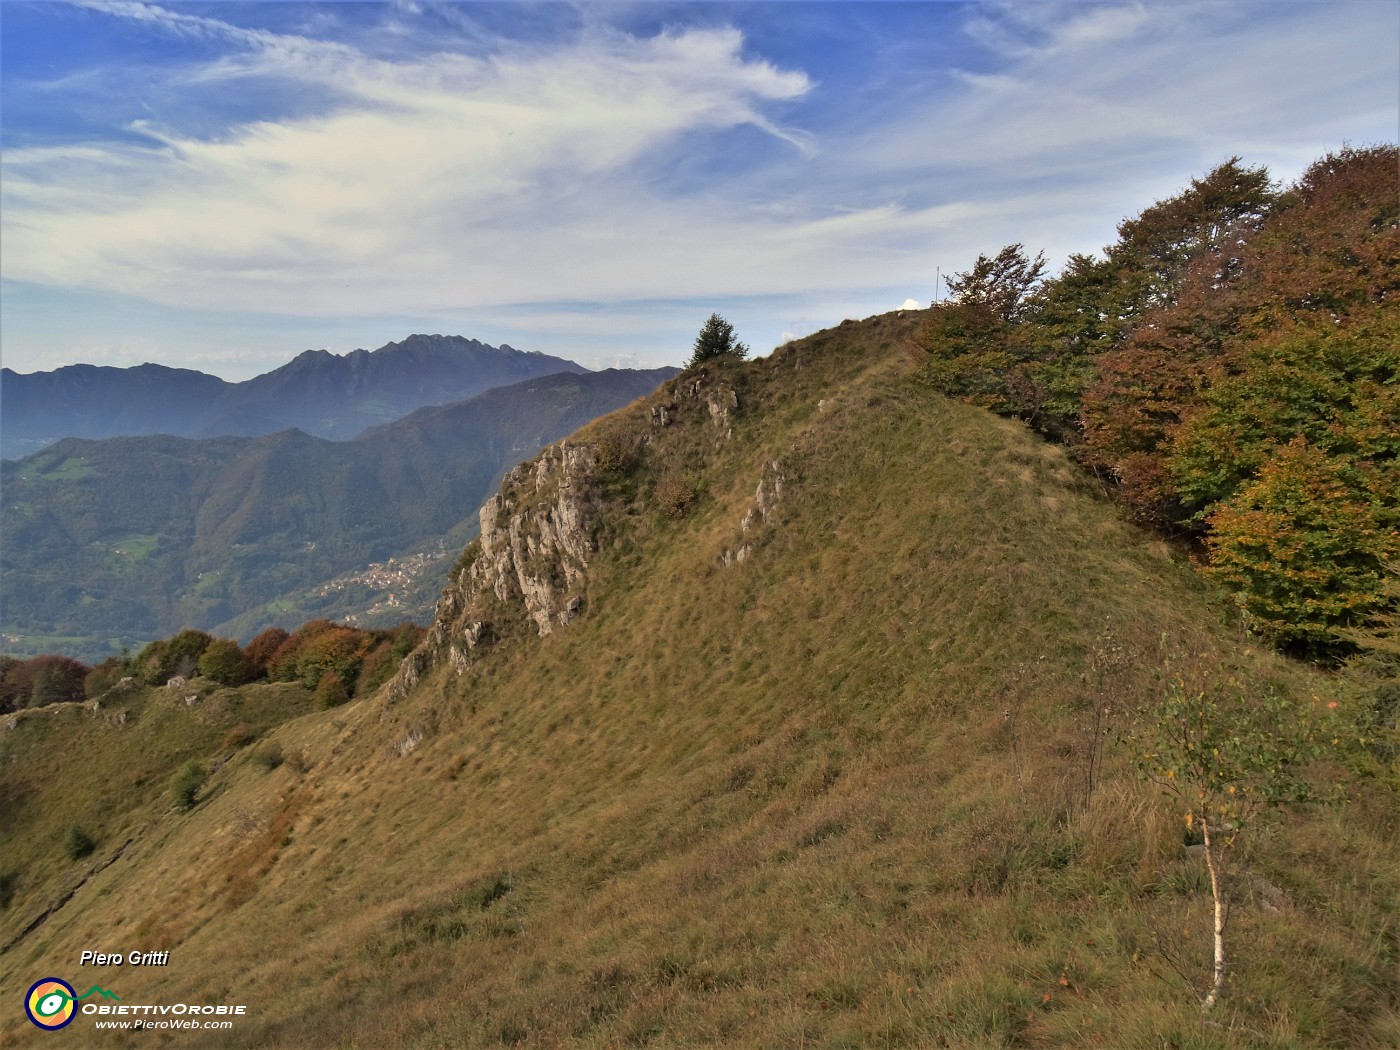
[
  {"x": 540, "y": 532},
  {"x": 537, "y": 538}
]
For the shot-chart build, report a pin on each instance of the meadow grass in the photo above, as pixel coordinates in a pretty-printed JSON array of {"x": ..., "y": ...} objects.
[{"x": 870, "y": 787}]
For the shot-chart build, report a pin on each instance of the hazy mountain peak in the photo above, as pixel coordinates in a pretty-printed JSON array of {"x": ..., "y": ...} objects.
[{"x": 326, "y": 394}]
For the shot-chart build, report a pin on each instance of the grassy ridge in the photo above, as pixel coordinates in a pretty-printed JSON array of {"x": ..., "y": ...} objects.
[{"x": 837, "y": 795}]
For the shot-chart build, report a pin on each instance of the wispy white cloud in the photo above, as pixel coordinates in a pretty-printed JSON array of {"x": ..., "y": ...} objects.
[
  {"x": 202, "y": 28},
  {"x": 444, "y": 180},
  {"x": 421, "y": 164},
  {"x": 1019, "y": 29},
  {"x": 1107, "y": 106}
]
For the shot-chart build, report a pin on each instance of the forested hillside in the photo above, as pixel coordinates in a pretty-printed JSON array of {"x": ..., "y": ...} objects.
[
  {"x": 1232, "y": 365},
  {"x": 113, "y": 543}
]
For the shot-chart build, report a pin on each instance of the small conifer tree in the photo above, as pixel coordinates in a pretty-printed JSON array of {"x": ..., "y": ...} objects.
[{"x": 716, "y": 339}]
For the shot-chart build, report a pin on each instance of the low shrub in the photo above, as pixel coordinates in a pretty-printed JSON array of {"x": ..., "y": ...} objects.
[
  {"x": 78, "y": 843},
  {"x": 675, "y": 495},
  {"x": 185, "y": 785},
  {"x": 270, "y": 757},
  {"x": 239, "y": 736}
]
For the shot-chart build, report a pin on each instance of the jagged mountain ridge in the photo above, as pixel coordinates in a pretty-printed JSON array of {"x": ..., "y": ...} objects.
[{"x": 324, "y": 394}]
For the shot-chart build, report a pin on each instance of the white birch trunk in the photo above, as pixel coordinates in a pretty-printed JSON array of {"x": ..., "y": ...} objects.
[{"x": 1218, "y": 981}]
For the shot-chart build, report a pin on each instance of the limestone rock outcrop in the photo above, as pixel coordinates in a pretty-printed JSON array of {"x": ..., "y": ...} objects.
[
  {"x": 529, "y": 566},
  {"x": 537, "y": 538}
]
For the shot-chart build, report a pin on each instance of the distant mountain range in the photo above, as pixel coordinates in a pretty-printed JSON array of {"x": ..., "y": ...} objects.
[
  {"x": 323, "y": 394},
  {"x": 121, "y": 540}
]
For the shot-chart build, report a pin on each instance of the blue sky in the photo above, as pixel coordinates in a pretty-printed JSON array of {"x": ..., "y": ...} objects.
[{"x": 221, "y": 186}]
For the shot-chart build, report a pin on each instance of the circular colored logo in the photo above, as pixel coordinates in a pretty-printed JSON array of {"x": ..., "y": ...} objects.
[{"x": 50, "y": 1003}]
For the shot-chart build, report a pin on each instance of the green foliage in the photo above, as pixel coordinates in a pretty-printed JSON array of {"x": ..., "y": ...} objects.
[
  {"x": 77, "y": 843},
  {"x": 1001, "y": 286},
  {"x": 317, "y": 647},
  {"x": 109, "y": 773},
  {"x": 58, "y": 680},
  {"x": 270, "y": 757},
  {"x": 1372, "y": 677},
  {"x": 185, "y": 785},
  {"x": 811, "y": 744},
  {"x": 614, "y": 455},
  {"x": 1304, "y": 282},
  {"x": 1176, "y": 270},
  {"x": 1038, "y": 370},
  {"x": 466, "y": 559},
  {"x": 225, "y": 663},
  {"x": 1155, "y": 249},
  {"x": 1069, "y": 310},
  {"x": 1225, "y": 323},
  {"x": 972, "y": 353},
  {"x": 1337, "y": 388},
  {"x": 1302, "y": 551},
  {"x": 1081, "y": 318},
  {"x": 162, "y": 660},
  {"x": 1223, "y": 752},
  {"x": 716, "y": 340},
  {"x": 978, "y": 349},
  {"x": 40, "y": 681},
  {"x": 383, "y": 660},
  {"x": 1293, "y": 461},
  {"x": 1012, "y": 369},
  {"x": 104, "y": 676},
  {"x": 8, "y": 691},
  {"x": 221, "y": 537}
]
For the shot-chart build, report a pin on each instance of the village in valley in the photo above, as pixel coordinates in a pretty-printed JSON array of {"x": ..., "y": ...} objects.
[{"x": 390, "y": 580}]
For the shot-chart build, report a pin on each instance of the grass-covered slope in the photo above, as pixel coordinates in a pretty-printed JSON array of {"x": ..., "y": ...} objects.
[
  {"x": 103, "y": 769},
  {"x": 844, "y": 791}
]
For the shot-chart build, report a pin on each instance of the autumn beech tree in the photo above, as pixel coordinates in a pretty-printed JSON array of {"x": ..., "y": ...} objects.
[
  {"x": 225, "y": 663},
  {"x": 1324, "y": 257},
  {"x": 40, "y": 681},
  {"x": 979, "y": 347},
  {"x": 317, "y": 647},
  {"x": 999, "y": 286},
  {"x": 1224, "y": 322},
  {"x": 262, "y": 648},
  {"x": 1302, "y": 550}
]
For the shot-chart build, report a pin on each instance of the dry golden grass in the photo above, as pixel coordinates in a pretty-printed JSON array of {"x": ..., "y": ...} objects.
[{"x": 838, "y": 795}]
